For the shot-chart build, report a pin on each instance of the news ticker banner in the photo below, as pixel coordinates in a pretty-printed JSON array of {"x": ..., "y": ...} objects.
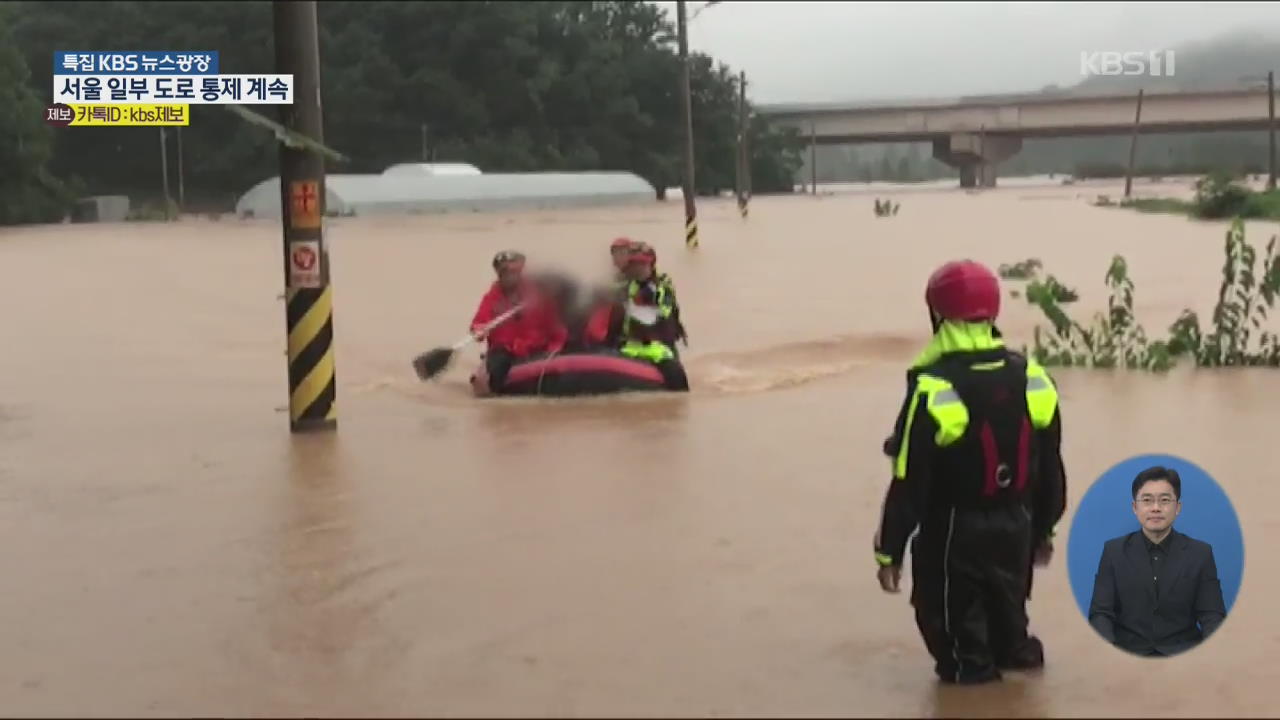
[
  {"x": 62, "y": 115},
  {"x": 160, "y": 78},
  {"x": 186, "y": 62}
]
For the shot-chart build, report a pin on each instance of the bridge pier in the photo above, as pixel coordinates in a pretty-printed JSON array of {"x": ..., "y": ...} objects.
[{"x": 976, "y": 155}]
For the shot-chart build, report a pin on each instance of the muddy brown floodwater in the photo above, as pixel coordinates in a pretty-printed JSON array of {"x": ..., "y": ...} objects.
[{"x": 169, "y": 549}]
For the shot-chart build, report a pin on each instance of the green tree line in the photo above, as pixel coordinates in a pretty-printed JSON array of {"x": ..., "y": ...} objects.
[{"x": 506, "y": 86}]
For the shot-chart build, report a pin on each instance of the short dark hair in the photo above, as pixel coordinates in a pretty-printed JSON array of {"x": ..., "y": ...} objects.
[{"x": 1158, "y": 473}]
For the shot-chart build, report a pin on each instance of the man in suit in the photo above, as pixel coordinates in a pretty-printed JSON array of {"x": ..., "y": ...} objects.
[{"x": 1157, "y": 591}]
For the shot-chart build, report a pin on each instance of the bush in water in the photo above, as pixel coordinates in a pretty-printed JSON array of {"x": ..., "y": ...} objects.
[
  {"x": 1218, "y": 197},
  {"x": 1115, "y": 338}
]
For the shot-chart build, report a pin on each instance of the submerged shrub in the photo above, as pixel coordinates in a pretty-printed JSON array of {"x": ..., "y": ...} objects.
[{"x": 1115, "y": 339}]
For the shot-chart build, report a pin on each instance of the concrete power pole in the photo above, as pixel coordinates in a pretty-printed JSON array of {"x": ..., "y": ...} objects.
[
  {"x": 309, "y": 299},
  {"x": 686, "y": 108}
]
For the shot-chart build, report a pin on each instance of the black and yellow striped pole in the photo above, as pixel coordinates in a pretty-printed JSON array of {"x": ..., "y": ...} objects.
[
  {"x": 308, "y": 296},
  {"x": 686, "y": 108}
]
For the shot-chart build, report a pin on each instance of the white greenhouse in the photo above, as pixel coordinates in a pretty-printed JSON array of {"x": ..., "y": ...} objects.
[
  {"x": 432, "y": 169},
  {"x": 409, "y": 193}
]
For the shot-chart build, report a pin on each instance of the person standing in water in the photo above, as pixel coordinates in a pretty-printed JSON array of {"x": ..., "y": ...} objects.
[{"x": 977, "y": 467}]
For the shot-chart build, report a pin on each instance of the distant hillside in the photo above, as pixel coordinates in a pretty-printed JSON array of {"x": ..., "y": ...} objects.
[{"x": 1222, "y": 62}]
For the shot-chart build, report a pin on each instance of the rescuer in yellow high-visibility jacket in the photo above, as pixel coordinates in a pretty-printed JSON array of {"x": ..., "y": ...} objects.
[
  {"x": 651, "y": 318},
  {"x": 977, "y": 468}
]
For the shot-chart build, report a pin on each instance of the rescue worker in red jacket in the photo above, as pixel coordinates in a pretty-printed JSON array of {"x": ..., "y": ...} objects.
[
  {"x": 534, "y": 330},
  {"x": 977, "y": 467}
]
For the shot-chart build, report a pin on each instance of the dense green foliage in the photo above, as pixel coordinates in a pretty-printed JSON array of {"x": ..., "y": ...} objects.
[
  {"x": 1115, "y": 339},
  {"x": 507, "y": 86},
  {"x": 28, "y": 192}
]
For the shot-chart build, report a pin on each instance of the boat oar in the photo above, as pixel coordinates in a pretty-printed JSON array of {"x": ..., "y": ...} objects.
[{"x": 433, "y": 362}]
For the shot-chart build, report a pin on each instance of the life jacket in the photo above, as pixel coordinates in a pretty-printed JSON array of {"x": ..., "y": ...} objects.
[
  {"x": 987, "y": 402},
  {"x": 664, "y": 280},
  {"x": 656, "y": 294}
]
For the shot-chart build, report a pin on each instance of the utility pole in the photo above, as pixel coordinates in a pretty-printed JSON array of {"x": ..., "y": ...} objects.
[
  {"x": 1133, "y": 147},
  {"x": 744, "y": 166},
  {"x": 164, "y": 172},
  {"x": 182, "y": 191},
  {"x": 1271, "y": 129},
  {"x": 686, "y": 108},
  {"x": 308, "y": 296},
  {"x": 813, "y": 157},
  {"x": 746, "y": 157}
]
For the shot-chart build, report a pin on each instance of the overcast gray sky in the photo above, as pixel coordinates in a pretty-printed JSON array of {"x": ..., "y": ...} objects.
[{"x": 814, "y": 51}]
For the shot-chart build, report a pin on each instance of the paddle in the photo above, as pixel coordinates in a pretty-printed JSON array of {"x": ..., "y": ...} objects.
[{"x": 433, "y": 362}]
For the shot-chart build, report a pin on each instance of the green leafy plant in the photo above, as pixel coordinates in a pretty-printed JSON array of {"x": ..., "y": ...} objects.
[
  {"x": 1024, "y": 270},
  {"x": 1218, "y": 197},
  {"x": 1115, "y": 339}
]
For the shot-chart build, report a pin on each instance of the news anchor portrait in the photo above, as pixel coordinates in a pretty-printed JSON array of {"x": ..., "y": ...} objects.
[{"x": 1156, "y": 592}]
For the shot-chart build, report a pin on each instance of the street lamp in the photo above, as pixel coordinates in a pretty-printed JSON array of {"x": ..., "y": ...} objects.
[{"x": 704, "y": 7}]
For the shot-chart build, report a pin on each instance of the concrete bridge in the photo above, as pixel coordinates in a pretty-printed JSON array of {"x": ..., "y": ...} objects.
[{"x": 975, "y": 134}]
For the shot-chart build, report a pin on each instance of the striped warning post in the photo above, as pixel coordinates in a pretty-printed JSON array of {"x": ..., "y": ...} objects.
[
  {"x": 312, "y": 382},
  {"x": 691, "y": 231}
]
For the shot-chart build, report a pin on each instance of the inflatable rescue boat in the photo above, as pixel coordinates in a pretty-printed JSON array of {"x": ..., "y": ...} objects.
[{"x": 587, "y": 373}]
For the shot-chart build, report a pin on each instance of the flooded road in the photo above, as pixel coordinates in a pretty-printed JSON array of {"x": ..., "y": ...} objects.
[{"x": 170, "y": 549}]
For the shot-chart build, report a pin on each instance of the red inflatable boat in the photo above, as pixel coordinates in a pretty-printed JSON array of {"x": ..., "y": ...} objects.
[{"x": 597, "y": 373}]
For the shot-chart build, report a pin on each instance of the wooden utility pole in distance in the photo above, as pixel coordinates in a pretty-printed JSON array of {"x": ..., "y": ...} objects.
[
  {"x": 686, "y": 109},
  {"x": 182, "y": 189},
  {"x": 744, "y": 165},
  {"x": 1271, "y": 129},
  {"x": 1133, "y": 147},
  {"x": 164, "y": 172},
  {"x": 813, "y": 157}
]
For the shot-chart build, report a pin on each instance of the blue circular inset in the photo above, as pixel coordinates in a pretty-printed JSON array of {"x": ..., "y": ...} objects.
[{"x": 1106, "y": 512}]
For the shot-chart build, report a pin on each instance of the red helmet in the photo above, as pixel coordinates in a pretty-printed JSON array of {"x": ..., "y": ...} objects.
[
  {"x": 644, "y": 254},
  {"x": 963, "y": 290}
]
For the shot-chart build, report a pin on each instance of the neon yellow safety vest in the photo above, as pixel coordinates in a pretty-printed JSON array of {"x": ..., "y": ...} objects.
[
  {"x": 654, "y": 351},
  {"x": 943, "y": 402}
]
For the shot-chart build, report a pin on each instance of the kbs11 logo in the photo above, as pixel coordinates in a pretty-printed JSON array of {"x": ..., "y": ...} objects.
[{"x": 1154, "y": 63}]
